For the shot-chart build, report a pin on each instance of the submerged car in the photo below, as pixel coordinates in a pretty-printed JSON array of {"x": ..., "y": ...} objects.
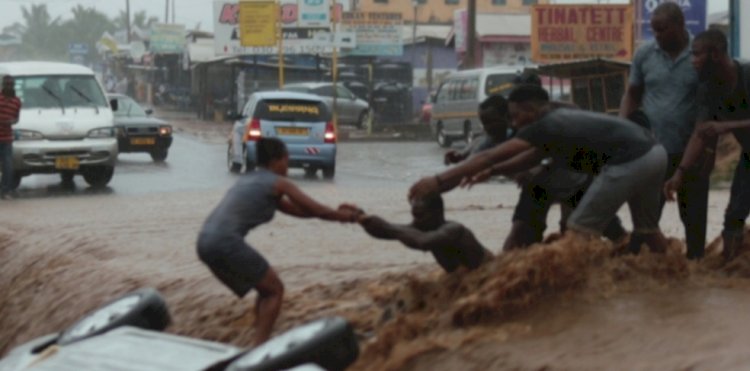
[
  {"x": 138, "y": 131},
  {"x": 125, "y": 334},
  {"x": 302, "y": 121},
  {"x": 351, "y": 110}
]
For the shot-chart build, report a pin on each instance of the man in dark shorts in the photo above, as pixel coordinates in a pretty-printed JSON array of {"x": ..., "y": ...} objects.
[
  {"x": 632, "y": 170},
  {"x": 252, "y": 201},
  {"x": 452, "y": 244},
  {"x": 723, "y": 106}
]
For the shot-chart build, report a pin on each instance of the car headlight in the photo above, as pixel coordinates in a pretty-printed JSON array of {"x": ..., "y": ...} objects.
[
  {"x": 106, "y": 132},
  {"x": 22, "y": 134},
  {"x": 165, "y": 130}
]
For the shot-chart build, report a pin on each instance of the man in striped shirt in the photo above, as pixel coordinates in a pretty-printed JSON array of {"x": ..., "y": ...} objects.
[{"x": 10, "y": 107}]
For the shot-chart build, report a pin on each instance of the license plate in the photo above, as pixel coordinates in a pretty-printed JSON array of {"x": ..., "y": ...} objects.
[
  {"x": 292, "y": 131},
  {"x": 142, "y": 141},
  {"x": 66, "y": 163}
]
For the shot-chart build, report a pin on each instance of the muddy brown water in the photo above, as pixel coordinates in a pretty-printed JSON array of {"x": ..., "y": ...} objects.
[{"x": 568, "y": 305}]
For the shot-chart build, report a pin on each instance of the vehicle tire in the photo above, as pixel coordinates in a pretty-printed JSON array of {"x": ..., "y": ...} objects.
[
  {"x": 329, "y": 172},
  {"x": 468, "y": 134},
  {"x": 232, "y": 166},
  {"x": 364, "y": 118},
  {"x": 144, "y": 308},
  {"x": 329, "y": 343},
  {"x": 442, "y": 139},
  {"x": 98, "y": 176},
  {"x": 159, "y": 154},
  {"x": 310, "y": 172},
  {"x": 246, "y": 166},
  {"x": 67, "y": 177},
  {"x": 16, "y": 181}
]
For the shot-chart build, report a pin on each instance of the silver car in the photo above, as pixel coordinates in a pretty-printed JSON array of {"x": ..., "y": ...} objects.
[{"x": 350, "y": 109}]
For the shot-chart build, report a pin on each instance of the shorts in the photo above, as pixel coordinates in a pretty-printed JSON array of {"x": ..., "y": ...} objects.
[
  {"x": 450, "y": 258},
  {"x": 637, "y": 183},
  {"x": 232, "y": 261}
]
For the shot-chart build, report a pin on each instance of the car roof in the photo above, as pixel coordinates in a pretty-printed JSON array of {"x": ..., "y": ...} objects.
[
  {"x": 311, "y": 85},
  {"x": 43, "y": 68},
  {"x": 286, "y": 95}
]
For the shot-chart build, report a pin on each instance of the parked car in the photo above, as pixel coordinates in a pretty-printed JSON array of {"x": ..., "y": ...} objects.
[
  {"x": 351, "y": 110},
  {"x": 302, "y": 121},
  {"x": 66, "y": 124},
  {"x": 137, "y": 131},
  {"x": 125, "y": 334},
  {"x": 454, "y": 109}
]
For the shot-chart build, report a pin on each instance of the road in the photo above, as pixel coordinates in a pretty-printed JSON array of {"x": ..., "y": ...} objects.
[{"x": 64, "y": 252}]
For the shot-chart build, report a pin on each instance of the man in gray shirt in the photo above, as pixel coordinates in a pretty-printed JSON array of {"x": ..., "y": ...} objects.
[{"x": 663, "y": 84}]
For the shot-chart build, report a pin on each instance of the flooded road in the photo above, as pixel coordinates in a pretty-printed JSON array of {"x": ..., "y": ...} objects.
[{"x": 566, "y": 306}]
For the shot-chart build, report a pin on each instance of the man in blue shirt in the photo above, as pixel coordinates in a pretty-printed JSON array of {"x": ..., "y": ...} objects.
[{"x": 663, "y": 84}]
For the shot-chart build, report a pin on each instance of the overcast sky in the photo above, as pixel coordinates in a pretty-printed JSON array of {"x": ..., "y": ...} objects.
[{"x": 188, "y": 12}]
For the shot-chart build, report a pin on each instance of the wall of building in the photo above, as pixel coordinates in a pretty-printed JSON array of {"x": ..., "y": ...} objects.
[{"x": 441, "y": 11}]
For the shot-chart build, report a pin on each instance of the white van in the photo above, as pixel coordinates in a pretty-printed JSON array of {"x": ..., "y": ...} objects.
[
  {"x": 454, "y": 108},
  {"x": 66, "y": 124}
]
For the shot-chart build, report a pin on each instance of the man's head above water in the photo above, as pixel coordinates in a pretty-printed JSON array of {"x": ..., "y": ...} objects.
[{"x": 428, "y": 212}]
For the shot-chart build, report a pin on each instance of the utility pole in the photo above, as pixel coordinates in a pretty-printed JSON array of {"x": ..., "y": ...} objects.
[
  {"x": 173, "y": 11},
  {"x": 471, "y": 37},
  {"x": 414, "y": 4},
  {"x": 166, "y": 11},
  {"x": 127, "y": 19}
]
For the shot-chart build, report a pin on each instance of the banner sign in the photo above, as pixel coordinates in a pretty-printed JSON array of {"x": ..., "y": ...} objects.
[
  {"x": 297, "y": 38},
  {"x": 569, "y": 32},
  {"x": 377, "y": 33},
  {"x": 258, "y": 23},
  {"x": 314, "y": 13},
  {"x": 460, "y": 26},
  {"x": 167, "y": 38},
  {"x": 694, "y": 10}
]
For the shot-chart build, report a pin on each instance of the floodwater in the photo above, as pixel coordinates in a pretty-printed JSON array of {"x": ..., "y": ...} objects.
[{"x": 567, "y": 305}]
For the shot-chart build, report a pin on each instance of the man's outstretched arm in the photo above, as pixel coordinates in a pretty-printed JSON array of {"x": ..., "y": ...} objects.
[
  {"x": 411, "y": 236},
  {"x": 452, "y": 177}
]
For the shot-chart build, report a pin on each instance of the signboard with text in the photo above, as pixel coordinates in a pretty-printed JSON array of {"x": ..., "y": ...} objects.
[
  {"x": 167, "y": 38},
  {"x": 460, "y": 26},
  {"x": 296, "y": 38},
  {"x": 377, "y": 33},
  {"x": 569, "y": 32},
  {"x": 694, "y": 11},
  {"x": 258, "y": 23}
]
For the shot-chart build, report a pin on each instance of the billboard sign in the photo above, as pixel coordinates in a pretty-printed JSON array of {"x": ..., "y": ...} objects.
[
  {"x": 258, "y": 23},
  {"x": 377, "y": 33},
  {"x": 460, "y": 26},
  {"x": 296, "y": 38},
  {"x": 569, "y": 32},
  {"x": 694, "y": 10},
  {"x": 167, "y": 38},
  {"x": 314, "y": 13}
]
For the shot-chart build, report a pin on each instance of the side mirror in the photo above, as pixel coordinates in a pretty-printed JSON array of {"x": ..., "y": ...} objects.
[
  {"x": 149, "y": 111},
  {"x": 114, "y": 104}
]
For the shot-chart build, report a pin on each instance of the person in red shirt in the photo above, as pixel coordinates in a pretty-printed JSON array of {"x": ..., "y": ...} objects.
[{"x": 10, "y": 107}]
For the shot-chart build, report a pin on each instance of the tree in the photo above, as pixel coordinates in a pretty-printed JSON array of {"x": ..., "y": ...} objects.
[
  {"x": 40, "y": 34},
  {"x": 86, "y": 27}
]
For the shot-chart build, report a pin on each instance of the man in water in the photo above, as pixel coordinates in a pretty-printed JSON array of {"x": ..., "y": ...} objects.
[{"x": 452, "y": 244}]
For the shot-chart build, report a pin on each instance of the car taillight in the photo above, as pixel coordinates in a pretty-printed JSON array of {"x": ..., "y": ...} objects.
[
  {"x": 330, "y": 134},
  {"x": 253, "y": 130}
]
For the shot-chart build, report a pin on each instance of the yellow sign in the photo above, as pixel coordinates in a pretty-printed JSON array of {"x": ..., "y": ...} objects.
[
  {"x": 569, "y": 32},
  {"x": 257, "y": 23},
  {"x": 288, "y": 108}
]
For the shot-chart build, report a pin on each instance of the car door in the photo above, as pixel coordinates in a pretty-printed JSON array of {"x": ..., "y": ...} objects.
[
  {"x": 326, "y": 93},
  {"x": 348, "y": 104}
]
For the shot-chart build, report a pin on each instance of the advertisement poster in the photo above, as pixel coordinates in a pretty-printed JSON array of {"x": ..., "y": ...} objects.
[
  {"x": 569, "y": 32},
  {"x": 694, "y": 10},
  {"x": 377, "y": 33},
  {"x": 297, "y": 39},
  {"x": 167, "y": 38},
  {"x": 258, "y": 23}
]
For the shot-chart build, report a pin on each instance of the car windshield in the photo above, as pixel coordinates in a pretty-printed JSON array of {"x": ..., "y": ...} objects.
[
  {"x": 500, "y": 83},
  {"x": 292, "y": 110},
  {"x": 127, "y": 107},
  {"x": 59, "y": 91}
]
